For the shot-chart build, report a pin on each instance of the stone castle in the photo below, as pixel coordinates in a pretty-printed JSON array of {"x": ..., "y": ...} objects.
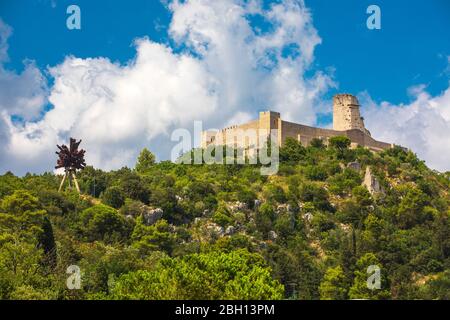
[{"x": 347, "y": 121}]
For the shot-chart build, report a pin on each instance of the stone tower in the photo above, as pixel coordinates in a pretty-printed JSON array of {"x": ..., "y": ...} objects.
[
  {"x": 268, "y": 120},
  {"x": 346, "y": 114}
]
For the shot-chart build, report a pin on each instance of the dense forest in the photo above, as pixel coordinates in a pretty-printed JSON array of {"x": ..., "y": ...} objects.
[{"x": 175, "y": 231}]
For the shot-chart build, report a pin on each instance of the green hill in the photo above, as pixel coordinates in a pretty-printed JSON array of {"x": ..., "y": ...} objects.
[{"x": 174, "y": 231}]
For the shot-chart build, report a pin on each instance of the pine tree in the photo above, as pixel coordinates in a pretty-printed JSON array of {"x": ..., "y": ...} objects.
[
  {"x": 334, "y": 285},
  {"x": 145, "y": 161}
]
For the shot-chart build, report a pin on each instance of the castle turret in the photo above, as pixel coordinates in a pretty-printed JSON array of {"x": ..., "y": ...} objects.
[
  {"x": 268, "y": 120},
  {"x": 250, "y": 136},
  {"x": 346, "y": 114}
]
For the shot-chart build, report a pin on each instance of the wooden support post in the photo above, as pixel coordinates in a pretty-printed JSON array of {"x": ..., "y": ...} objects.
[
  {"x": 76, "y": 182},
  {"x": 62, "y": 182}
]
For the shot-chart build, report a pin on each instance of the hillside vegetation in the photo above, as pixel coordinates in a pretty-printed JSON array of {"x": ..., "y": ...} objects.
[{"x": 175, "y": 231}]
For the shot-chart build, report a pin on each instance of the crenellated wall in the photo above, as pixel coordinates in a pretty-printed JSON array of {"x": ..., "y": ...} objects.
[{"x": 347, "y": 121}]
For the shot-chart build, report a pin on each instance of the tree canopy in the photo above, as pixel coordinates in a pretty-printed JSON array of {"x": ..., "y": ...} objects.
[{"x": 175, "y": 231}]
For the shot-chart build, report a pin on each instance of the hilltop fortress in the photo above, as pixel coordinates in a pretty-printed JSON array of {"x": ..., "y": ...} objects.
[{"x": 347, "y": 121}]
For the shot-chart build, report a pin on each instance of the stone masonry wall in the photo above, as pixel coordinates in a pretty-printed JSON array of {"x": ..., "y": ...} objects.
[
  {"x": 347, "y": 122},
  {"x": 346, "y": 115}
]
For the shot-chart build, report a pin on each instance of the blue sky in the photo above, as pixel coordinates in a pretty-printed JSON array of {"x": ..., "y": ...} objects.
[
  {"x": 400, "y": 70},
  {"x": 411, "y": 48}
]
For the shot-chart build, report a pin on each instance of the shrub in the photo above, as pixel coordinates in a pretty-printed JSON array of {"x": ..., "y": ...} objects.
[
  {"x": 292, "y": 151},
  {"x": 104, "y": 223},
  {"x": 315, "y": 172},
  {"x": 113, "y": 197},
  {"x": 235, "y": 275},
  {"x": 317, "y": 143},
  {"x": 274, "y": 193}
]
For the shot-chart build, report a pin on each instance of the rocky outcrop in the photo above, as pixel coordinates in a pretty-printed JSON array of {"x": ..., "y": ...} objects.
[
  {"x": 150, "y": 216},
  {"x": 371, "y": 182},
  {"x": 215, "y": 229},
  {"x": 272, "y": 235},
  {"x": 230, "y": 230},
  {"x": 237, "y": 206},
  {"x": 308, "y": 217},
  {"x": 284, "y": 208},
  {"x": 354, "y": 165}
]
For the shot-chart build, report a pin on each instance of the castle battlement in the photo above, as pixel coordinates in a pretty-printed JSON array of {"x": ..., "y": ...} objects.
[{"x": 347, "y": 121}]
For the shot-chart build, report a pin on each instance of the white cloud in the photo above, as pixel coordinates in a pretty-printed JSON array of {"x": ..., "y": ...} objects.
[
  {"x": 24, "y": 94},
  {"x": 227, "y": 70},
  {"x": 5, "y": 33},
  {"x": 116, "y": 109},
  {"x": 21, "y": 94},
  {"x": 223, "y": 70},
  {"x": 23, "y": 97},
  {"x": 250, "y": 67},
  {"x": 423, "y": 125}
]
